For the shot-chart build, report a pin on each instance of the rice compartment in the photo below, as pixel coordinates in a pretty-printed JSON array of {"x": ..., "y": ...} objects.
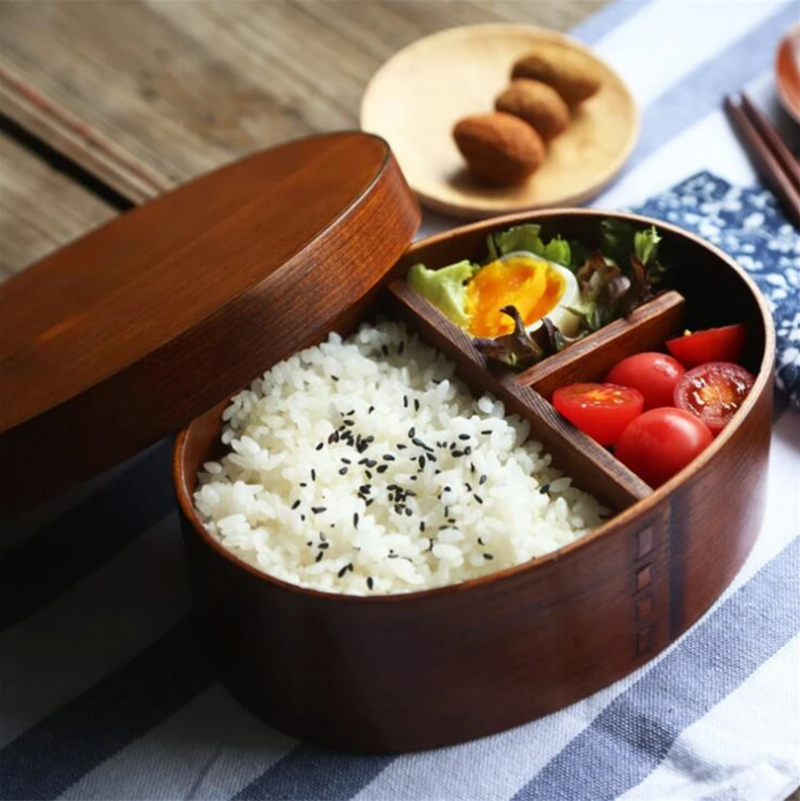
[{"x": 363, "y": 466}]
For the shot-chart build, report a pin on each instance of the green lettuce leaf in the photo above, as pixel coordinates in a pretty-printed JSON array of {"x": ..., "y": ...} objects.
[
  {"x": 526, "y": 237},
  {"x": 616, "y": 241},
  {"x": 645, "y": 245},
  {"x": 558, "y": 250},
  {"x": 445, "y": 288}
]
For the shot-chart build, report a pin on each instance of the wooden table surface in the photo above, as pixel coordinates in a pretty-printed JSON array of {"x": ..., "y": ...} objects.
[{"x": 108, "y": 104}]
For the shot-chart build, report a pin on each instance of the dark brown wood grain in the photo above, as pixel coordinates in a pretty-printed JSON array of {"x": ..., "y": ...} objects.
[
  {"x": 153, "y": 318},
  {"x": 399, "y": 673}
]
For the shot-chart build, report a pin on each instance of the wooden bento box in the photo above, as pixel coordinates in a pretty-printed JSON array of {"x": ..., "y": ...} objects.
[{"x": 437, "y": 667}]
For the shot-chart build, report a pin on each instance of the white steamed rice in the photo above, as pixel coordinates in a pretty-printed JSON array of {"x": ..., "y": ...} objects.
[{"x": 340, "y": 516}]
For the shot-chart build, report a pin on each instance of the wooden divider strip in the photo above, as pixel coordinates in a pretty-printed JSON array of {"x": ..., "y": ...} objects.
[
  {"x": 591, "y": 358},
  {"x": 579, "y": 456}
]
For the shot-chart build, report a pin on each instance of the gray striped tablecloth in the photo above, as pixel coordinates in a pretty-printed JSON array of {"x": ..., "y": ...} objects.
[{"x": 105, "y": 696}]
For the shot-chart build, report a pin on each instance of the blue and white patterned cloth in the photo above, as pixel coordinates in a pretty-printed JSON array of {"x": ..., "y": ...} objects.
[
  {"x": 103, "y": 693},
  {"x": 748, "y": 224}
]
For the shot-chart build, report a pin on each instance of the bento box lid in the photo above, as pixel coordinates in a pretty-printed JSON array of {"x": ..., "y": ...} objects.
[{"x": 131, "y": 332}]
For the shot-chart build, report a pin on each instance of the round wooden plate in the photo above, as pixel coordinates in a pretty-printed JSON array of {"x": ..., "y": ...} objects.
[
  {"x": 417, "y": 96},
  {"x": 787, "y": 72}
]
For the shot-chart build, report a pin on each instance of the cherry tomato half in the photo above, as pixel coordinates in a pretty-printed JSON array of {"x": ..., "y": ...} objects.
[
  {"x": 714, "y": 392},
  {"x": 655, "y": 375},
  {"x": 661, "y": 442},
  {"x": 724, "y": 344},
  {"x": 601, "y": 410}
]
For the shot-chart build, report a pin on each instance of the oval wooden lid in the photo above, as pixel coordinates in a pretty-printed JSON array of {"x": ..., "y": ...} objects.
[{"x": 129, "y": 333}]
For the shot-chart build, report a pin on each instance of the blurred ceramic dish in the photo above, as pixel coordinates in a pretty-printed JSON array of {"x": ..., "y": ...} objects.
[
  {"x": 787, "y": 72},
  {"x": 417, "y": 96}
]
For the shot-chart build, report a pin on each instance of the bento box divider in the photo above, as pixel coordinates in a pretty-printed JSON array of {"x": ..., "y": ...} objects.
[
  {"x": 589, "y": 359},
  {"x": 591, "y": 466}
]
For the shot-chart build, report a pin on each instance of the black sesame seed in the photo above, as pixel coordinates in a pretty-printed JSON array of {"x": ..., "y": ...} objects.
[
  {"x": 478, "y": 498},
  {"x": 333, "y": 438},
  {"x": 296, "y": 504},
  {"x": 313, "y": 474},
  {"x": 302, "y": 517},
  {"x": 355, "y": 519},
  {"x": 309, "y": 543},
  {"x": 410, "y": 493},
  {"x": 412, "y": 478},
  {"x": 405, "y": 401},
  {"x": 448, "y": 489},
  {"x": 346, "y": 461},
  {"x": 335, "y": 377},
  {"x": 303, "y": 484},
  {"x": 422, "y": 525},
  {"x": 416, "y": 404},
  {"x": 486, "y": 431},
  {"x": 369, "y": 502},
  {"x": 318, "y": 510},
  {"x": 398, "y": 508},
  {"x": 370, "y": 583},
  {"x": 468, "y": 486},
  {"x": 383, "y": 468},
  {"x": 320, "y": 446},
  {"x": 458, "y": 454},
  {"x": 341, "y": 573},
  {"x": 392, "y": 556},
  {"x": 323, "y": 546},
  {"x": 467, "y": 450},
  {"x": 482, "y": 479},
  {"x": 463, "y": 436},
  {"x": 371, "y": 463},
  {"x": 432, "y": 456},
  {"x": 447, "y": 511},
  {"x": 343, "y": 471},
  {"x": 544, "y": 488},
  {"x": 349, "y": 422},
  {"x": 412, "y": 432},
  {"x": 369, "y": 439},
  {"x": 319, "y": 556},
  {"x": 421, "y": 462},
  {"x": 401, "y": 446},
  {"x": 364, "y": 489},
  {"x": 488, "y": 556},
  {"x": 471, "y": 467},
  {"x": 408, "y": 512},
  {"x": 370, "y": 410},
  {"x": 480, "y": 541}
]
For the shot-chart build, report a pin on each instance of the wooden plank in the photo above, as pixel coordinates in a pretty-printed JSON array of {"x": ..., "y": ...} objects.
[
  {"x": 40, "y": 208},
  {"x": 146, "y": 95}
]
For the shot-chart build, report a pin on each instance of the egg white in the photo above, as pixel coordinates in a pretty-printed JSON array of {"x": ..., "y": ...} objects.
[{"x": 567, "y": 322}]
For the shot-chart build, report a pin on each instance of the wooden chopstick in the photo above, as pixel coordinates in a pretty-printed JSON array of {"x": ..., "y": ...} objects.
[
  {"x": 764, "y": 159},
  {"x": 787, "y": 159}
]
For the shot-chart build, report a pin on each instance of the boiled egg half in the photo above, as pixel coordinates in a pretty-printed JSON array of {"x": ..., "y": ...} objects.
[{"x": 537, "y": 287}]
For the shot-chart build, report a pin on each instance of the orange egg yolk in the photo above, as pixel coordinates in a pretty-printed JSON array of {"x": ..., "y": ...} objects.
[{"x": 534, "y": 287}]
